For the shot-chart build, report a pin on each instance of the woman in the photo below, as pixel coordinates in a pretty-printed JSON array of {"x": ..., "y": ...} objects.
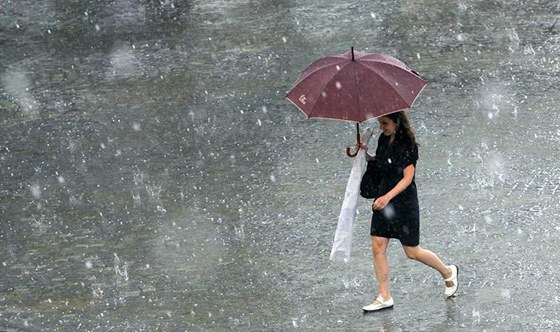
[{"x": 395, "y": 210}]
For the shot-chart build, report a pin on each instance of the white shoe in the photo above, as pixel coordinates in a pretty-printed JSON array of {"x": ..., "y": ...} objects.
[
  {"x": 379, "y": 306},
  {"x": 450, "y": 291}
]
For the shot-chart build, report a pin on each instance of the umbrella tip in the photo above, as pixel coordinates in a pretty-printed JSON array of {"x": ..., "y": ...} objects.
[{"x": 352, "y": 48}]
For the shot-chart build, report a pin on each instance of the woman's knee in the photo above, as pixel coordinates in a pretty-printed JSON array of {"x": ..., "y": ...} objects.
[
  {"x": 379, "y": 252},
  {"x": 379, "y": 246},
  {"x": 411, "y": 252}
]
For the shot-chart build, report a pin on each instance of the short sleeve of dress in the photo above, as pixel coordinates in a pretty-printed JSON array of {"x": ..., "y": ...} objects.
[{"x": 408, "y": 154}]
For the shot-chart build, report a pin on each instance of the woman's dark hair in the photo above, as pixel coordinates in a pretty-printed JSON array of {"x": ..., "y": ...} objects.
[{"x": 404, "y": 130}]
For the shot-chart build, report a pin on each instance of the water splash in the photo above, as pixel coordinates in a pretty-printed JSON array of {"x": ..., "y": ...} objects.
[
  {"x": 121, "y": 270},
  {"x": 18, "y": 86}
]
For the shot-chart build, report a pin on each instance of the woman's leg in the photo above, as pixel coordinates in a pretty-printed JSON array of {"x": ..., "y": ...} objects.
[
  {"x": 429, "y": 258},
  {"x": 381, "y": 265}
]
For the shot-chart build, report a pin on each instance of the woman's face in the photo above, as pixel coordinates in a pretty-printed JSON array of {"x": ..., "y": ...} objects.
[{"x": 387, "y": 126}]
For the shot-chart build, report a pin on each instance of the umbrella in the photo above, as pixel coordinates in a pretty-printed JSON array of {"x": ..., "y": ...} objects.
[{"x": 355, "y": 86}]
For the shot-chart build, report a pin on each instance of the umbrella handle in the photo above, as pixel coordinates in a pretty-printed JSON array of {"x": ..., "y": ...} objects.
[
  {"x": 350, "y": 154},
  {"x": 358, "y": 143}
]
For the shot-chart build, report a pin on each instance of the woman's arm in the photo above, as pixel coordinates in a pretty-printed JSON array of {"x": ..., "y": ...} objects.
[{"x": 408, "y": 174}]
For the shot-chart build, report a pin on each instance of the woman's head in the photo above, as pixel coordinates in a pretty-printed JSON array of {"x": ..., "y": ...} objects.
[{"x": 397, "y": 124}]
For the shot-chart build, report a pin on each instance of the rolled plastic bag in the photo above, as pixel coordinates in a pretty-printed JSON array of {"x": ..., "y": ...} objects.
[{"x": 342, "y": 245}]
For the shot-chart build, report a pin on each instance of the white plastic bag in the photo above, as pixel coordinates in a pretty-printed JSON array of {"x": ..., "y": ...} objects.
[{"x": 342, "y": 245}]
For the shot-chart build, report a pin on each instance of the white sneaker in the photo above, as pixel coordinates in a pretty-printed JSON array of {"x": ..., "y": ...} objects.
[
  {"x": 379, "y": 306},
  {"x": 450, "y": 291}
]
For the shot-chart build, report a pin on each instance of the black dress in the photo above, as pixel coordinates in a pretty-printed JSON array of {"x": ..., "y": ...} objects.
[{"x": 400, "y": 219}]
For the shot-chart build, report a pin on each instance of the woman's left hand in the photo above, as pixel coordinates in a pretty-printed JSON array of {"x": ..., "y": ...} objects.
[{"x": 380, "y": 202}]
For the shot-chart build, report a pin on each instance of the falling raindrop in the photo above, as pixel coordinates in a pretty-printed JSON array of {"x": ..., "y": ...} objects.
[
  {"x": 461, "y": 37},
  {"x": 36, "y": 191}
]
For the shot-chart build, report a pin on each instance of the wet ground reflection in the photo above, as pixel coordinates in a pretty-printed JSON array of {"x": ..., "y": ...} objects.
[{"x": 153, "y": 177}]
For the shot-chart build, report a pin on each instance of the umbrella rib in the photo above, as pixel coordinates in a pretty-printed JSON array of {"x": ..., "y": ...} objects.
[{"x": 418, "y": 94}]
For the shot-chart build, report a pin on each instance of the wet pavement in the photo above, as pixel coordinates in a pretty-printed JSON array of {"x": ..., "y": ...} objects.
[{"x": 153, "y": 178}]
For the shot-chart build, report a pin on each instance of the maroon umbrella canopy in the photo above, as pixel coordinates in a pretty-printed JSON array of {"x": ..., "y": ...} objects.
[{"x": 355, "y": 86}]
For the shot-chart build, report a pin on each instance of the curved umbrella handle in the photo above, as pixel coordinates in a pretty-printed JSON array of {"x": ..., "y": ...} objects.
[
  {"x": 358, "y": 143},
  {"x": 350, "y": 154}
]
